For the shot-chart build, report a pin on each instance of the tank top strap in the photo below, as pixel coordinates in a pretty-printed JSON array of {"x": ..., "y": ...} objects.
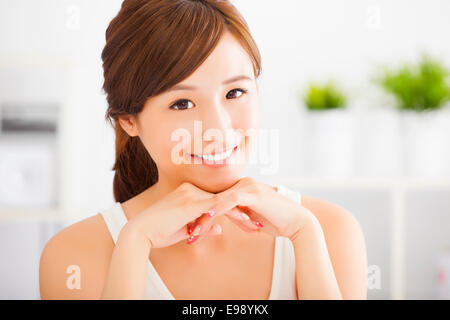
[
  {"x": 292, "y": 194},
  {"x": 115, "y": 219},
  {"x": 284, "y": 278}
]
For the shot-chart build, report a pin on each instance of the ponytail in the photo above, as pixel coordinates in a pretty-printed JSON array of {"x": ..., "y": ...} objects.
[{"x": 135, "y": 170}]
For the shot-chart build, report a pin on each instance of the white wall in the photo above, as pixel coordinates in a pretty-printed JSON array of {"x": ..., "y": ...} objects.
[{"x": 300, "y": 41}]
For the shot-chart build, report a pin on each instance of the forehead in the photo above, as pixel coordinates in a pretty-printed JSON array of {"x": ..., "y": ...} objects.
[{"x": 228, "y": 59}]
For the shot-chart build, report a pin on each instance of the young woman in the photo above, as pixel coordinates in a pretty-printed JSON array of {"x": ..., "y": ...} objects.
[{"x": 187, "y": 69}]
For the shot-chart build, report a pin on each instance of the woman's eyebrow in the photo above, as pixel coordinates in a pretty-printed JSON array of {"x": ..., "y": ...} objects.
[{"x": 187, "y": 87}]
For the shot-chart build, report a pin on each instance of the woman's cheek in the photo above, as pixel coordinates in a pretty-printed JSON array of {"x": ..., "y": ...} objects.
[
  {"x": 248, "y": 120},
  {"x": 158, "y": 145},
  {"x": 249, "y": 123},
  {"x": 175, "y": 150}
]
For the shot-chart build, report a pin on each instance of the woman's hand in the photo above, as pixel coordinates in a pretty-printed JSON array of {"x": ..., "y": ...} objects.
[
  {"x": 166, "y": 222},
  {"x": 278, "y": 215}
]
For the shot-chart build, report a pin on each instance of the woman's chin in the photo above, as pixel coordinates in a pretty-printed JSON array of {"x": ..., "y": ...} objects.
[{"x": 217, "y": 184}]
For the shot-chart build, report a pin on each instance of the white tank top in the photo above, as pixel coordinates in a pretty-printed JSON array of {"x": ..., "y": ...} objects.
[{"x": 283, "y": 273}]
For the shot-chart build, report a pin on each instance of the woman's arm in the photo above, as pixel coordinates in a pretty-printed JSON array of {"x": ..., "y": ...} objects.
[
  {"x": 331, "y": 258},
  {"x": 128, "y": 266},
  {"x": 314, "y": 271}
]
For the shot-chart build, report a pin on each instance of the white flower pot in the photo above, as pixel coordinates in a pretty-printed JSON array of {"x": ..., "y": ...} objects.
[
  {"x": 331, "y": 136},
  {"x": 378, "y": 143},
  {"x": 426, "y": 143}
]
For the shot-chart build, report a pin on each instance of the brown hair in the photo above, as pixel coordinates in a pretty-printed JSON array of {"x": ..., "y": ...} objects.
[{"x": 151, "y": 45}]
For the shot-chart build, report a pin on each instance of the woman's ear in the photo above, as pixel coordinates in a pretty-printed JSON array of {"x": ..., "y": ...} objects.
[{"x": 129, "y": 125}]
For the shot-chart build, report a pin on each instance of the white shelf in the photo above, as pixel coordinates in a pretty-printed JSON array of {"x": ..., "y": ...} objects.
[
  {"x": 366, "y": 183},
  {"x": 36, "y": 215}
]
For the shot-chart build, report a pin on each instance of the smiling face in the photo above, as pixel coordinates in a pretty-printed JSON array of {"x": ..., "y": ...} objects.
[{"x": 210, "y": 112}]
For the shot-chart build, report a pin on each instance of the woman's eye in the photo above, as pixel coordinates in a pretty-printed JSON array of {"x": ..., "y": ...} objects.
[
  {"x": 183, "y": 104},
  {"x": 241, "y": 90}
]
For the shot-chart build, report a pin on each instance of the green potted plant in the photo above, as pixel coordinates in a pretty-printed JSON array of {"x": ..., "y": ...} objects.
[
  {"x": 422, "y": 94},
  {"x": 418, "y": 87},
  {"x": 324, "y": 97},
  {"x": 330, "y": 128}
]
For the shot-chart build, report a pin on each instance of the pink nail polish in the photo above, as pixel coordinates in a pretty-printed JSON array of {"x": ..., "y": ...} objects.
[
  {"x": 258, "y": 224},
  {"x": 191, "y": 239}
]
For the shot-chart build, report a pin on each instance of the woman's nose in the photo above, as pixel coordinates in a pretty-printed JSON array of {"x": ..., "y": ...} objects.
[
  {"x": 218, "y": 126},
  {"x": 217, "y": 117}
]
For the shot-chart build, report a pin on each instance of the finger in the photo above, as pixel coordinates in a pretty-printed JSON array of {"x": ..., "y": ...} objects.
[
  {"x": 243, "y": 225},
  {"x": 244, "y": 217},
  {"x": 219, "y": 204},
  {"x": 240, "y": 217},
  {"x": 236, "y": 213},
  {"x": 215, "y": 204},
  {"x": 200, "y": 226},
  {"x": 186, "y": 231},
  {"x": 267, "y": 226},
  {"x": 197, "y": 208},
  {"x": 243, "y": 220},
  {"x": 228, "y": 200},
  {"x": 214, "y": 230},
  {"x": 190, "y": 227},
  {"x": 181, "y": 234}
]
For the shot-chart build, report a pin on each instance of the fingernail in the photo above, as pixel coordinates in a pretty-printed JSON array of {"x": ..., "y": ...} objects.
[
  {"x": 211, "y": 212},
  {"x": 190, "y": 239},
  {"x": 196, "y": 231},
  {"x": 244, "y": 216},
  {"x": 258, "y": 224}
]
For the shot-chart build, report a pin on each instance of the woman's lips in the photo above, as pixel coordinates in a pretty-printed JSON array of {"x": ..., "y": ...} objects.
[
  {"x": 214, "y": 152},
  {"x": 215, "y": 163}
]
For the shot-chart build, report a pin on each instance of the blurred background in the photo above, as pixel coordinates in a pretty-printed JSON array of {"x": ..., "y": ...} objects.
[{"x": 356, "y": 94}]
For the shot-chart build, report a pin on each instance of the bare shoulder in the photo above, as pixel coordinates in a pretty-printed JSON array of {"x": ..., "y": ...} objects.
[
  {"x": 330, "y": 215},
  {"x": 345, "y": 243},
  {"x": 75, "y": 261}
]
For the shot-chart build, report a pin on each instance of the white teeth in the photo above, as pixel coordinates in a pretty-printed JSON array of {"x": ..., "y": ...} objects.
[{"x": 216, "y": 157}]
